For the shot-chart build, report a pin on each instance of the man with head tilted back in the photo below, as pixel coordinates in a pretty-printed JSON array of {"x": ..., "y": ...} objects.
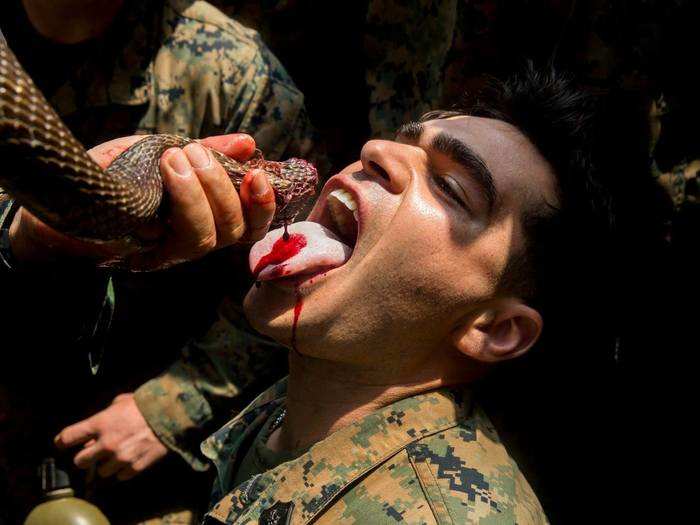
[
  {"x": 422, "y": 266},
  {"x": 417, "y": 271}
]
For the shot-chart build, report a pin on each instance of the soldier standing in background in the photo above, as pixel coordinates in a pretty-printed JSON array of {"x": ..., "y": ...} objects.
[
  {"x": 398, "y": 59},
  {"x": 113, "y": 69}
]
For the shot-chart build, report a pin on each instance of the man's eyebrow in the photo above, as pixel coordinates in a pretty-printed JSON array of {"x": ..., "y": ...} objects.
[
  {"x": 410, "y": 131},
  {"x": 458, "y": 152},
  {"x": 462, "y": 154}
]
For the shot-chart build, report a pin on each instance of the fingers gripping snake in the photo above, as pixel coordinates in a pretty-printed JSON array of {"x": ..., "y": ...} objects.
[{"x": 49, "y": 172}]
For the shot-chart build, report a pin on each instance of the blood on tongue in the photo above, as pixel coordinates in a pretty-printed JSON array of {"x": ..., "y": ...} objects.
[{"x": 284, "y": 248}]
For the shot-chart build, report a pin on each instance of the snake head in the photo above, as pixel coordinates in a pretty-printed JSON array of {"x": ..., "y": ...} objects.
[{"x": 294, "y": 182}]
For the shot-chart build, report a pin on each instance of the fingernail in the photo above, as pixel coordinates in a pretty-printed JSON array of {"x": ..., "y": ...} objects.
[
  {"x": 259, "y": 184},
  {"x": 199, "y": 157},
  {"x": 179, "y": 163}
]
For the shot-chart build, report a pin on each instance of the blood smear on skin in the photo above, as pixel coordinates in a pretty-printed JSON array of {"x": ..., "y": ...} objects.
[
  {"x": 282, "y": 250},
  {"x": 297, "y": 313}
]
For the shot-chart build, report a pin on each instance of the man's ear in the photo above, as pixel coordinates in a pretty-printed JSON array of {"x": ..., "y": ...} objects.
[{"x": 505, "y": 330}]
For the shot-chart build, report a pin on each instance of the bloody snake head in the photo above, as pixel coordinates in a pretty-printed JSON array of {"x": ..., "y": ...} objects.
[{"x": 302, "y": 178}]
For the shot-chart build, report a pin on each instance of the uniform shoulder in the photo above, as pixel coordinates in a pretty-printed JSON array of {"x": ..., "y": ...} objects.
[
  {"x": 211, "y": 74},
  {"x": 199, "y": 34},
  {"x": 204, "y": 14},
  {"x": 469, "y": 477}
]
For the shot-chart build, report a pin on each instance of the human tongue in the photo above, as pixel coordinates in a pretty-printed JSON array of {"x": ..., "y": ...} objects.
[{"x": 304, "y": 248}]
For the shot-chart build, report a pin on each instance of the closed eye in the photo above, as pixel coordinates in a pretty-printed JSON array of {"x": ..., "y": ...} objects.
[{"x": 451, "y": 189}]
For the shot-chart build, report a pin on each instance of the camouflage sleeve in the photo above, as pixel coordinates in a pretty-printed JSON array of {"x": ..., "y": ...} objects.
[
  {"x": 468, "y": 477},
  {"x": 213, "y": 75},
  {"x": 217, "y": 376},
  {"x": 406, "y": 44},
  {"x": 274, "y": 112},
  {"x": 262, "y": 100}
]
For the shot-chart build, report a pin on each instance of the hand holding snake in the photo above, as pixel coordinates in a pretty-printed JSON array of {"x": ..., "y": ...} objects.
[
  {"x": 103, "y": 201},
  {"x": 205, "y": 213}
]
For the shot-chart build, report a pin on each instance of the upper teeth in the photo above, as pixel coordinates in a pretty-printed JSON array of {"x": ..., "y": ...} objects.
[
  {"x": 338, "y": 199},
  {"x": 346, "y": 198}
]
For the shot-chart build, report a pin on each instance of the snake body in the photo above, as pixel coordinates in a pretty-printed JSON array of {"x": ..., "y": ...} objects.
[{"x": 50, "y": 173}]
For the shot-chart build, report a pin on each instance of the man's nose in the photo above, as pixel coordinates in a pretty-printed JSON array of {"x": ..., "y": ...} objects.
[{"x": 389, "y": 162}]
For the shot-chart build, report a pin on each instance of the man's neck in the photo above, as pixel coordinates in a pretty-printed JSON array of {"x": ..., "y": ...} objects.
[
  {"x": 323, "y": 397},
  {"x": 71, "y": 21}
]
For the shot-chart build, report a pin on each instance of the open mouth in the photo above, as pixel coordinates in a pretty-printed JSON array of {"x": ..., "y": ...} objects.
[{"x": 309, "y": 247}]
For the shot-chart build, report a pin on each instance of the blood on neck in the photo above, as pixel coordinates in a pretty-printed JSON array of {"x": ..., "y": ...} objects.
[{"x": 297, "y": 312}]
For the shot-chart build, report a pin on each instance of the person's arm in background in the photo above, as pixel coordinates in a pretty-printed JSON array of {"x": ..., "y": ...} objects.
[
  {"x": 217, "y": 376},
  {"x": 119, "y": 436}
]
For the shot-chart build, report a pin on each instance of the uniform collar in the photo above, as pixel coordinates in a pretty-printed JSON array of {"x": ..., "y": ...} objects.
[
  {"x": 222, "y": 447},
  {"x": 302, "y": 488}
]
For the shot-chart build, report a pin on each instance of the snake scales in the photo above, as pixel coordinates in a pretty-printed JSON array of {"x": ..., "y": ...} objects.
[{"x": 49, "y": 172}]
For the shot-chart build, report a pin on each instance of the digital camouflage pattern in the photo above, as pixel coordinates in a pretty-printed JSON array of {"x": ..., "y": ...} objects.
[
  {"x": 422, "y": 55},
  {"x": 431, "y": 458},
  {"x": 406, "y": 46},
  {"x": 680, "y": 182},
  {"x": 625, "y": 46},
  {"x": 194, "y": 72}
]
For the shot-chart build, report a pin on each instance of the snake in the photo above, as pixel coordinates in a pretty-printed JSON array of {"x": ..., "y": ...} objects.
[{"x": 49, "y": 172}]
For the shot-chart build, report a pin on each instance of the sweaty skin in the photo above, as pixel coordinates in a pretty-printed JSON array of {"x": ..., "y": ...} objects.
[{"x": 417, "y": 293}]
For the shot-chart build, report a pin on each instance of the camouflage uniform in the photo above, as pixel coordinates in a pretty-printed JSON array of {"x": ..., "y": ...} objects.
[
  {"x": 406, "y": 45},
  {"x": 430, "y": 458},
  {"x": 169, "y": 66}
]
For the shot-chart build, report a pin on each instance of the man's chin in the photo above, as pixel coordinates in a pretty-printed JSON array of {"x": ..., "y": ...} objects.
[{"x": 270, "y": 312}]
